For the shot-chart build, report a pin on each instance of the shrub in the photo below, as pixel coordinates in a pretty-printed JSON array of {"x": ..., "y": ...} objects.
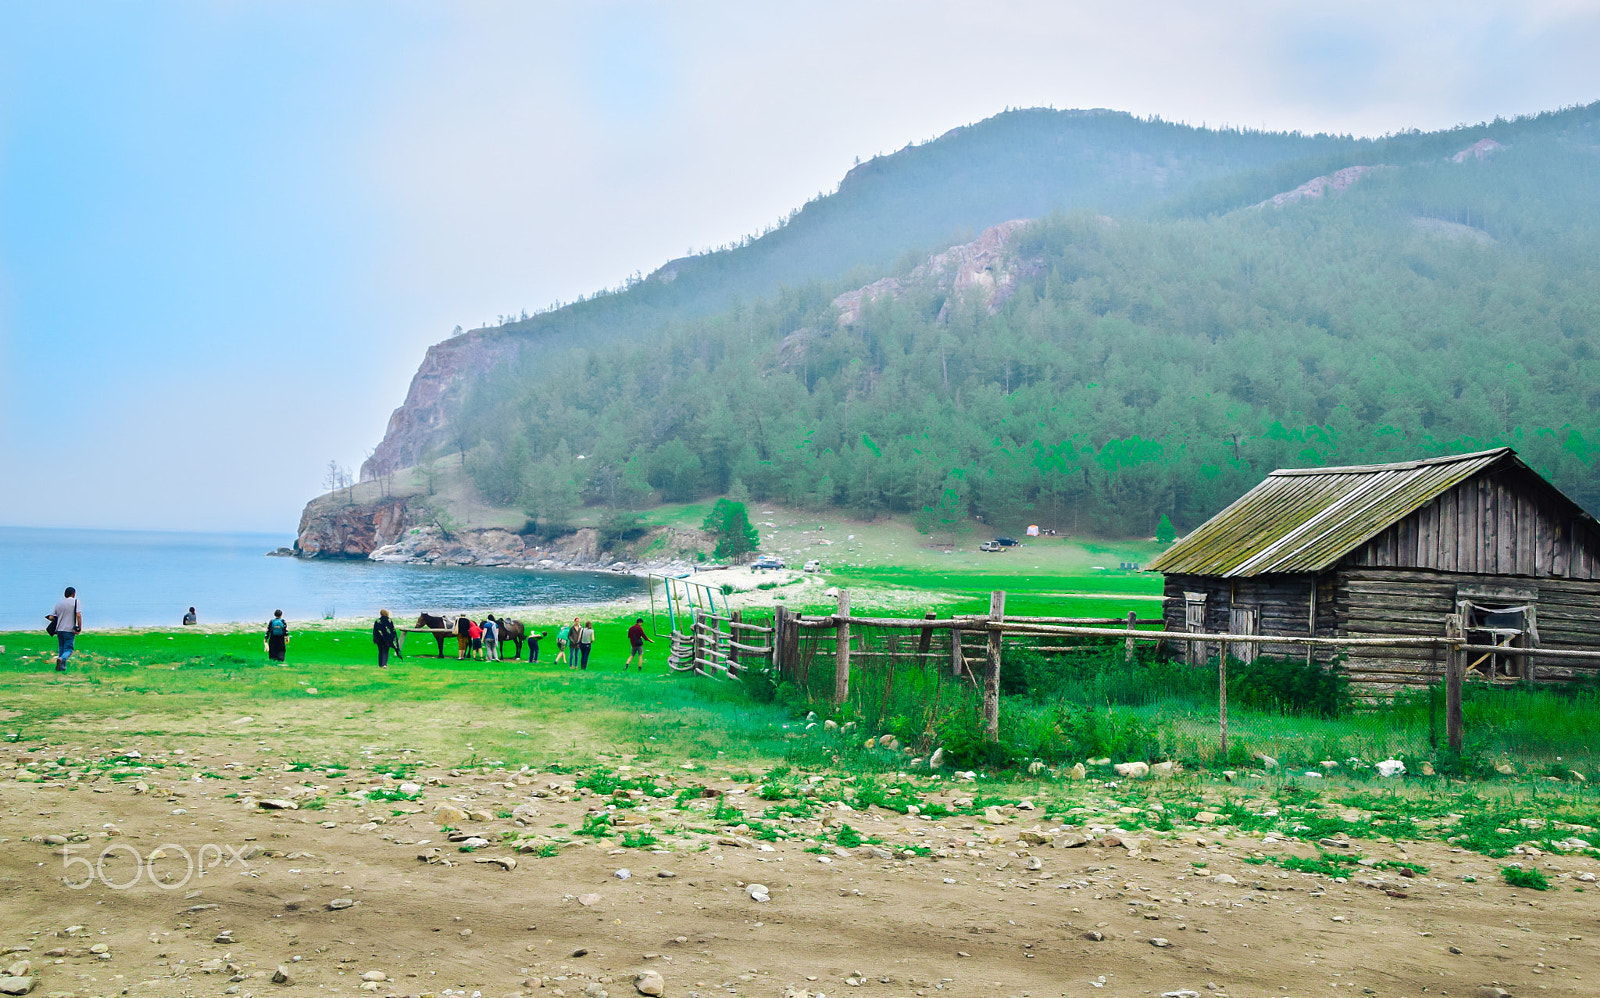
[
  {"x": 1089, "y": 731},
  {"x": 1288, "y": 686},
  {"x": 1518, "y": 876}
]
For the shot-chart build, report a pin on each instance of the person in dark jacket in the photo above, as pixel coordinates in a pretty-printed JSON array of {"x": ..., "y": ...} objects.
[
  {"x": 463, "y": 636},
  {"x": 277, "y": 636},
  {"x": 386, "y": 638},
  {"x": 636, "y": 639}
]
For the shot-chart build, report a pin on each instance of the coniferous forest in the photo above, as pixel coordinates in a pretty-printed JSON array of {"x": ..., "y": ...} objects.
[{"x": 1155, "y": 358}]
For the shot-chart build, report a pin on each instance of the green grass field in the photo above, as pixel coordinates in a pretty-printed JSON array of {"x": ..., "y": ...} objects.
[{"x": 329, "y": 706}]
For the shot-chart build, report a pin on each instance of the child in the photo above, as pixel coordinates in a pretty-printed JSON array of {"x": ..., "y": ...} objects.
[
  {"x": 475, "y": 635},
  {"x": 561, "y": 646}
]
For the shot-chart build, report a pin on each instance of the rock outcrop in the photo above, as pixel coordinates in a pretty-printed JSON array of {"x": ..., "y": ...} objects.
[
  {"x": 435, "y": 397},
  {"x": 1478, "y": 150},
  {"x": 980, "y": 271},
  {"x": 333, "y": 528},
  {"x": 1335, "y": 183},
  {"x": 407, "y": 531}
]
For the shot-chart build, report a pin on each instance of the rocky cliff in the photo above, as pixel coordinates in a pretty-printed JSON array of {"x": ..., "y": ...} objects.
[
  {"x": 435, "y": 396},
  {"x": 408, "y": 531},
  {"x": 331, "y": 527}
]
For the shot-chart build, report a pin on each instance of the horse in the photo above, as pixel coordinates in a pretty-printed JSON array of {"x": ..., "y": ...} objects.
[
  {"x": 438, "y": 625},
  {"x": 513, "y": 631}
]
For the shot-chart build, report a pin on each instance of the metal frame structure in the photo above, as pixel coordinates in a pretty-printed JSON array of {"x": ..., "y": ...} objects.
[{"x": 693, "y": 596}]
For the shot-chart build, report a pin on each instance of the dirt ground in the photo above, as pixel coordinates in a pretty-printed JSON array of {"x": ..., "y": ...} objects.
[{"x": 331, "y": 894}]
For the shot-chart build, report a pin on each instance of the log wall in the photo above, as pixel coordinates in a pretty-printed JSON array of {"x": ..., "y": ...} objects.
[
  {"x": 1506, "y": 522},
  {"x": 1375, "y": 602},
  {"x": 1282, "y": 604}
]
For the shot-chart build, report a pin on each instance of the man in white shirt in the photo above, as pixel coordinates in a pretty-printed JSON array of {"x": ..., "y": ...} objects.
[{"x": 68, "y": 620}]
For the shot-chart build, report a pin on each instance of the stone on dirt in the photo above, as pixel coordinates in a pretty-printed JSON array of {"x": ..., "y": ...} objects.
[
  {"x": 15, "y": 985},
  {"x": 650, "y": 983},
  {"x": 1132, "y": 770}
]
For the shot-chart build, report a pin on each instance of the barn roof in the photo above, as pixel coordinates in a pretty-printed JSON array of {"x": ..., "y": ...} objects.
[{"x": 1306, "y": 519}]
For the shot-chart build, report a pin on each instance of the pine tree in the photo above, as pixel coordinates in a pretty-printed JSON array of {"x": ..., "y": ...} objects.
[{"x": 730, "y": 524}]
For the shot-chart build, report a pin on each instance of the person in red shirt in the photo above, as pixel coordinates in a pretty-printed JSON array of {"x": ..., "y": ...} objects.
[
  {"x": 475, "y": 635},
  {"x": 636, "y": 639}
]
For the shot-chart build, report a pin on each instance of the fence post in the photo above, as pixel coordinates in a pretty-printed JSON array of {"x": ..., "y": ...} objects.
[
  {"x": 736, "y": 617},
  {"x": 1127, "y": 649},
  {"x": 841, "y": 661},
  {"x": 991, "y": 672},
  {"x": 926, "y": 641},
  {"x": 1222, "y": 704},
  {"x": 780, "y": 660},
  {"x": 1453, "y": 660},
  {"x": 958, "y": 658}
]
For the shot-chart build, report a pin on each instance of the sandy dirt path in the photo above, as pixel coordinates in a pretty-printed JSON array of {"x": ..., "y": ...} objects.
[{"x": 986, "y": 913}]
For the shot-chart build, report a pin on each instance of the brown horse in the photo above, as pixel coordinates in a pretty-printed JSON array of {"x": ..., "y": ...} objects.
[
  {"x": 438, "y": 625},
  {"x": 513, "y": 631}
]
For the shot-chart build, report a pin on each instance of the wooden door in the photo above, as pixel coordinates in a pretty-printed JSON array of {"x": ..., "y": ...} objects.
[{"x": 1242, "y": 620}]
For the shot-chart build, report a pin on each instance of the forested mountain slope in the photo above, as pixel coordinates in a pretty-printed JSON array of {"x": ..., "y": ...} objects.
[
  {"x": 1160, "y": 358},
  {"x": 1018, "y": 164}
]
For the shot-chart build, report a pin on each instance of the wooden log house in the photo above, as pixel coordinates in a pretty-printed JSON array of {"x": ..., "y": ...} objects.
[{"x": 1391, "y": 550}]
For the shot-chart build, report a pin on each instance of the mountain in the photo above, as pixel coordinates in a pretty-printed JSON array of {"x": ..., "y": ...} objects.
[
  {"x": 1142, "y": 319},
  {"x": 1019, "y": 164}
]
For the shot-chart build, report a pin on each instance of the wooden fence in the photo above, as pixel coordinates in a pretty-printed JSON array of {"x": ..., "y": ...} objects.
[
  {"x": 973, "y": 645},
  {"x": 719, "y": 645}
]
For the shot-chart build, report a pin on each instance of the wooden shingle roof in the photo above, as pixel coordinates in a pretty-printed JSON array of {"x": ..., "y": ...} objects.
[{"x": 1306, "y": 519}]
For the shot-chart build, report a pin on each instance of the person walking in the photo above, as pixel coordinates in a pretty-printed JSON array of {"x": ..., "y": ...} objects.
[
  {"x": 386, "y": 638},
  {"x": 585, "y": 641},
  {"x": 277, "y": 637},
  {"x": 636, "y": 639},
  {"x": 491, "y": 639},
  {"x": 563, "y": 639},
  {"x": 66, "y": 623},
  {"x": 463, "y": 637}
]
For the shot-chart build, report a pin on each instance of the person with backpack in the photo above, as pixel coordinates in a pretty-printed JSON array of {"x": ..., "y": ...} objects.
[
  {"x": 66, "y": 623},
  {"x": 563, "y": 636},
  {"x": 491, "y": 639},
  {"x": 463, "y": 636},
  {"x": 277, "y": 637},
  {"x": 386, "y": 638}
]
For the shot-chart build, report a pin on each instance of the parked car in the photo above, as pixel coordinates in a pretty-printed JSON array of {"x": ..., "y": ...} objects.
[
  {"x": 1006, "y": 542},
  {"x": 767, "y": 561},
  {"x": 812, "y": 566},
  {"x": 990, "y": 546}
]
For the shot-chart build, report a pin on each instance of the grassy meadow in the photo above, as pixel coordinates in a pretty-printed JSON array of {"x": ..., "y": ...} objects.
[{"x": 331, "y": 705}]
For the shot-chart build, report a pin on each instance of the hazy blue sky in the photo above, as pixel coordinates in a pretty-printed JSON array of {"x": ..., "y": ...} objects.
[{"x": 228, "y": 230}]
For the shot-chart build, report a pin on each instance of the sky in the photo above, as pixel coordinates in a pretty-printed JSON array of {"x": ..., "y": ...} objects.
[{"x": 229, "y": 230}]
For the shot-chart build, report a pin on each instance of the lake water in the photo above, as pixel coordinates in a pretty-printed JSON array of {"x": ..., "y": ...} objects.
[{"x": 142, "y": 578}]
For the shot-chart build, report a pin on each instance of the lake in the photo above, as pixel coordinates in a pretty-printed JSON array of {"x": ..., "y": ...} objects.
[{"x": 143, "y": 578}]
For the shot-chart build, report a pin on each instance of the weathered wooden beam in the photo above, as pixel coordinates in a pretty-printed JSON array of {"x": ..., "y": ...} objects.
[
  {"x": 841, "y": 661},
  {"x": 991, "y": 672}
]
